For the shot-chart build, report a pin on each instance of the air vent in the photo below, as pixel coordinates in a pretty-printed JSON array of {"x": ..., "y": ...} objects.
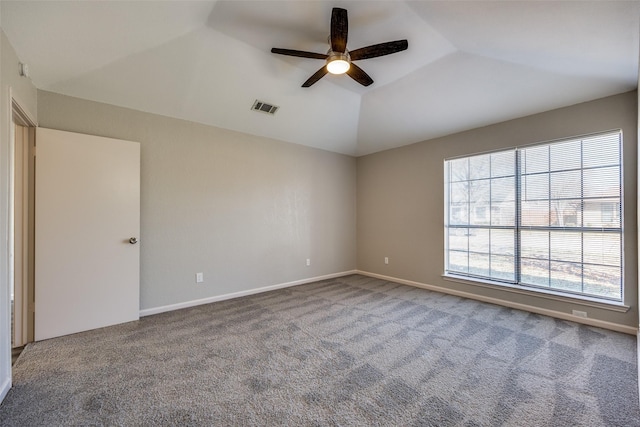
[{"x": 264, "y": 107}]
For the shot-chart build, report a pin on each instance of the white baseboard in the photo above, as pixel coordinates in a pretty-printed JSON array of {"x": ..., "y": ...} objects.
[
  {"x": 552, "y": 313},
  {"x": 193, "y": 303},
  {"x": 4, "y": 389}
]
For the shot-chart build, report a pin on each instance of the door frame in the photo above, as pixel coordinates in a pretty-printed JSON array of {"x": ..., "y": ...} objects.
[{"x": 23, "y": 311}]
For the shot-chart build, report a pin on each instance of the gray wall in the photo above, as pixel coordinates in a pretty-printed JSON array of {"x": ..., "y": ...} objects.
[
  {"x": 25, "y": 93},
  {"x": 401, "y": 195},
  {"x": 244, "y": 210},
  {"x": 248, "y": 211}
]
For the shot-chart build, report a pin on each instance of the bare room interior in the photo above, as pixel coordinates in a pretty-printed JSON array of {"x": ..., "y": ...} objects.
[{"x": 319, "y": 213}]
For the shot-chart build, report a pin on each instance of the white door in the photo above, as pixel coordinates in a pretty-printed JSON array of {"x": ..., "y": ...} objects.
[{"x": 87, "y": 210}]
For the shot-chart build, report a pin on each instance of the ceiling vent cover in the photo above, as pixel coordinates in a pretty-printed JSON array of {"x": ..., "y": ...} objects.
[{"x": 264, "y": 107}]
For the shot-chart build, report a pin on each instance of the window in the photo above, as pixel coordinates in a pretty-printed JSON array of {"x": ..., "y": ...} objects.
[{"x": 542, "y": 217}]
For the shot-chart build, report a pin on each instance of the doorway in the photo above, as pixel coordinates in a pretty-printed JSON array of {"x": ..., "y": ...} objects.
[{"x": 22, "y": 226}]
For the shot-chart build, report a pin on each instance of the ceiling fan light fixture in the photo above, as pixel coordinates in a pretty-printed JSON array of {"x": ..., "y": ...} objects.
[{"x": 338, "y": 63}]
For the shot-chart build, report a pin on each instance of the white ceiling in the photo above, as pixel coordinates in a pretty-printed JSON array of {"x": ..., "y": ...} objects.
[{"x": 468, "y": 64}]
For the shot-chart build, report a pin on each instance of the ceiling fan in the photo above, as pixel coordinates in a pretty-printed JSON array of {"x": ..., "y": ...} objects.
[{"x": 339, "y": 59}]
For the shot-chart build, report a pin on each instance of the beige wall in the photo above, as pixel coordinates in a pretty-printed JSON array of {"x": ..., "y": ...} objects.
[
  {"x": 244, "y": 210},
  {"x": 248, "y": 211},
  {"x": 25, "y": 93},
  {"x": 401, "y": 194}
]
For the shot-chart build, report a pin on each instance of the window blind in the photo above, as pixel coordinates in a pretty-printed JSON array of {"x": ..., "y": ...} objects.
[{"x": 547, "y": 216}]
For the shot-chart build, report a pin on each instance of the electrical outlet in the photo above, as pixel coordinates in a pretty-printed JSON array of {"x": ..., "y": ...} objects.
[
  {"x": 308, "y": 262},
  {"x": 386, "y": 260},
  {"x": 199, "y": 277},
  {"x": 579, "y": 313}
]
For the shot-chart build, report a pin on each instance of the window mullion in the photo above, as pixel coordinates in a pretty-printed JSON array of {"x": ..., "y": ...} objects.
[
  {"x": 549, "y": 218},
  {"x": 468, "y": 215},
  {"x": 582, "y": 216},
  {"x": 517, "y": 222},
  {"x": 490, "y": 215}
]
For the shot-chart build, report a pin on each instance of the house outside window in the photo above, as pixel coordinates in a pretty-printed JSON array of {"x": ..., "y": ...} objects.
[{"x": 543, "y": 217}]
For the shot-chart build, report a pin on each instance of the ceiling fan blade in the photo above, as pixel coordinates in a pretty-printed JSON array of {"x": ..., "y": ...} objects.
[
  {"x": 339, "y": 30},
  {"x": 299, "y": 53},
  {"x": 358, "y": 74},
  {"x": 379, "y": 50},
  {"x": 317, "y": 76}
]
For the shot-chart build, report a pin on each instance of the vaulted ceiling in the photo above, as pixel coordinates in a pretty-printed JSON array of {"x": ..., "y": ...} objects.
[{"x": 469, "y": 64}]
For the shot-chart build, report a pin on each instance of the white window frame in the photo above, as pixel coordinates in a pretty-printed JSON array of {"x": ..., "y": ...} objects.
[{"x": 517, "y": 227}]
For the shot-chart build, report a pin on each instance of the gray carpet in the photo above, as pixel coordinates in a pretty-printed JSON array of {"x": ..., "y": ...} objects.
[{"x": 347, "y": 351}]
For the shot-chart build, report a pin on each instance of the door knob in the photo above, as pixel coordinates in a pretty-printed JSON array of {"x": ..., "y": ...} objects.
[{"x": 133, "y": 240}]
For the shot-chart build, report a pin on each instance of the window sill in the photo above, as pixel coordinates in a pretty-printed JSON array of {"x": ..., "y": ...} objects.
[{"x": 541, "y": 293}]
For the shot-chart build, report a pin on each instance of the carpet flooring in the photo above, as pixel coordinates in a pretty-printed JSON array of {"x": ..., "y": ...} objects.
[{"x": 347, "y": 351}]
